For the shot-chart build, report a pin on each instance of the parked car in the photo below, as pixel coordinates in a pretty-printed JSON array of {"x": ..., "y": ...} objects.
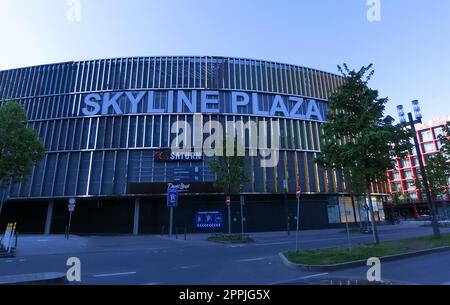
[{"x": 424, "y": 217}]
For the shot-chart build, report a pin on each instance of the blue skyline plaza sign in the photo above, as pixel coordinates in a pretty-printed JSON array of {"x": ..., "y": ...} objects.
[
  {"x": 172, "y": 197},
  {"x": 209, "y": 220}
]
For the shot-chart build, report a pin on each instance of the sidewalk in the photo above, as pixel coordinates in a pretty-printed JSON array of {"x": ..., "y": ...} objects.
[
  {"x": 30, "y": 245},
  {"x": 33, "y": 279},
  {"x": 49, "y": 244}
]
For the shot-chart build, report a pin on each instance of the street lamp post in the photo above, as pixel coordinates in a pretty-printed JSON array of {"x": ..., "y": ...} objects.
[{"x": 411, "y": 122}]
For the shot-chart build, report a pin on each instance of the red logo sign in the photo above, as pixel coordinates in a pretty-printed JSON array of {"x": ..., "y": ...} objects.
[{"x": 162, "y": 155}]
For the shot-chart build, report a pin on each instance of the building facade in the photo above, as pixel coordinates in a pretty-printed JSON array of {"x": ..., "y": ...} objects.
[
  {"x": 109, "y": 125},
  {"x": 404, "y": 179}
]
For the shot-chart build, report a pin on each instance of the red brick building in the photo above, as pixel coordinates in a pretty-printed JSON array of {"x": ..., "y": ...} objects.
[{"x": 403, "y": 179}]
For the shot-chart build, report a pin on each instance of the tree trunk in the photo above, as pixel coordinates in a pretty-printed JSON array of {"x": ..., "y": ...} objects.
[
  {"x": 2, "y": 195},
  {"x": 445, "y": 204},
  {"x": 376, "y": 238}
]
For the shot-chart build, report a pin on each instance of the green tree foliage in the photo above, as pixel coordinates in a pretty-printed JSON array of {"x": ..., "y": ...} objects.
[
  {"x": 20, "y": 146},
  {"x": 438, "y": 166},
  {"x": 229, "y": 171},
  {"x": 358, "y": 138},
  {"x": 438, "y": 171}
]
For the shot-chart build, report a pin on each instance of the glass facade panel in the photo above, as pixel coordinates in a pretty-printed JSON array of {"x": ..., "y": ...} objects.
[{"x": 101, "y": 154}]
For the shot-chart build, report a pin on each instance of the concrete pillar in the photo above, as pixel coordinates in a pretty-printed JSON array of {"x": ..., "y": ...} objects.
[
  {"x": 48, "y": 221},
  {"x": 137, "y": 205}
]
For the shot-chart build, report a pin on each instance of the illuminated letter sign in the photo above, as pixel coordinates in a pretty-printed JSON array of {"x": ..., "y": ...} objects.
[{"x": 203, "y": 101}]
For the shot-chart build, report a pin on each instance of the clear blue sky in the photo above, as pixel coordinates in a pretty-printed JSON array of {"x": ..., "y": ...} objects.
[{"x": 410, "y": 47}]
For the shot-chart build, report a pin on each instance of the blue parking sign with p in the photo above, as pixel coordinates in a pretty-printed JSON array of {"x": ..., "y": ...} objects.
[{"x": 172, "y": 197}]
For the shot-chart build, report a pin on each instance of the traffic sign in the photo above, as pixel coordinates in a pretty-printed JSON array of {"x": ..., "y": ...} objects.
[
  {"x": 172, "y": 197},
  {"x": 71, "y": 208},
  {"x": 71, "y": 205},
  {"x": 209, "y": 220},
  {"x": 298, "y": 192},
  {"x": 228, "y": 200}
]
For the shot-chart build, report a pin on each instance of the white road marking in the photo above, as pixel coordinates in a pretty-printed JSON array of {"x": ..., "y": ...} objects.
[
  {"x": 187, "y": 267},
  {"x": 446, "y": 284},
  {"x": 9, "y": 261},
  {"x": 114, "y": 274},
  {"x": 299, "y": 278},
  {"x": 152, "y": 284},
  {"x": 254, "y": 259},
  {"x": 42, "y": 240}
]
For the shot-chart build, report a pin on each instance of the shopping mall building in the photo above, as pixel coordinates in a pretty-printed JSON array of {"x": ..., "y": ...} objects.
[{"x": 108, "y": 126}]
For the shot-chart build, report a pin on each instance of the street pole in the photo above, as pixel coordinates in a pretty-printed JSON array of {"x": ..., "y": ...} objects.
[
  {"x": 171, "y": 222},
  {"x": 229, "y": 219},
  {"x": 242, "y": 215},
  {"x": 1, "y": 202},
  {"x": 346, "y": 223},
  {"x": 298, "y": 223},
  {"x": 423, "y": 172},
  {"x": 70, "y": 223}
]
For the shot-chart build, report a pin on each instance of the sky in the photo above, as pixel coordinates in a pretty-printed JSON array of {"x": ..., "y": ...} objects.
[{"x": 409, "y": 46}]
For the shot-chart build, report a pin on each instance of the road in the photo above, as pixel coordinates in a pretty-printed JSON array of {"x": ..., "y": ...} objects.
[{"x": 153, "y": 260}]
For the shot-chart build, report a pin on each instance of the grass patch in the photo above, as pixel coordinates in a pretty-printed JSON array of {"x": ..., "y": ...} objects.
[
  {"x": 232, "y": 239},
  {"x": 343, "y": 255}
]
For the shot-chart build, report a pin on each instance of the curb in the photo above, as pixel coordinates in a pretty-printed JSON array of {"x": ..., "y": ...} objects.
[
  {"x": 51, "y": 278},
  {"x": 360, "y": 263}
]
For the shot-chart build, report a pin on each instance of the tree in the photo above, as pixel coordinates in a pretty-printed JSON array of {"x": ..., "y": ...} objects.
[
  {"x": 394, "y": 202},
  {"x": 438, "y": 167},
  {"x": 358, "y": 137},
  {"x": 230, "y": 173},
  {"x": 20, "y": 145},
  {"x": 355, "y": 187},
  {"x": 438, "y": 171}
]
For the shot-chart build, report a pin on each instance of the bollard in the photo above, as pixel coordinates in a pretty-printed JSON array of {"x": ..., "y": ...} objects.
[
  {"x": 176, "y": 233},
  {"x": 288, "y": 227},
  {"x": 185, "y": 232},
  {"x": 17, "y": 237}
]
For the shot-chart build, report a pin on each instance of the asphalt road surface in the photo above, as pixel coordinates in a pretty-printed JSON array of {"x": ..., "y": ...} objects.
[{"x": 153, "y": 260}]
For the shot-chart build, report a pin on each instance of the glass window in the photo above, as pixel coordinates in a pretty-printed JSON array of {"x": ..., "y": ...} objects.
[
  {"x": 398, "y": 187},
  {"x": 413, "y": 196},
  {"x": 411, "y": 185},
  {"x": 406, "y": 163},
  {"x": 408, "y": 174},
  {"x": 429, "y": 147},
  {"x": 426, "y": 135},
  {"x": 333, "y": 213},
  {"x": 396, "y": 175},
  {"x": 439, "y": 131}
]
